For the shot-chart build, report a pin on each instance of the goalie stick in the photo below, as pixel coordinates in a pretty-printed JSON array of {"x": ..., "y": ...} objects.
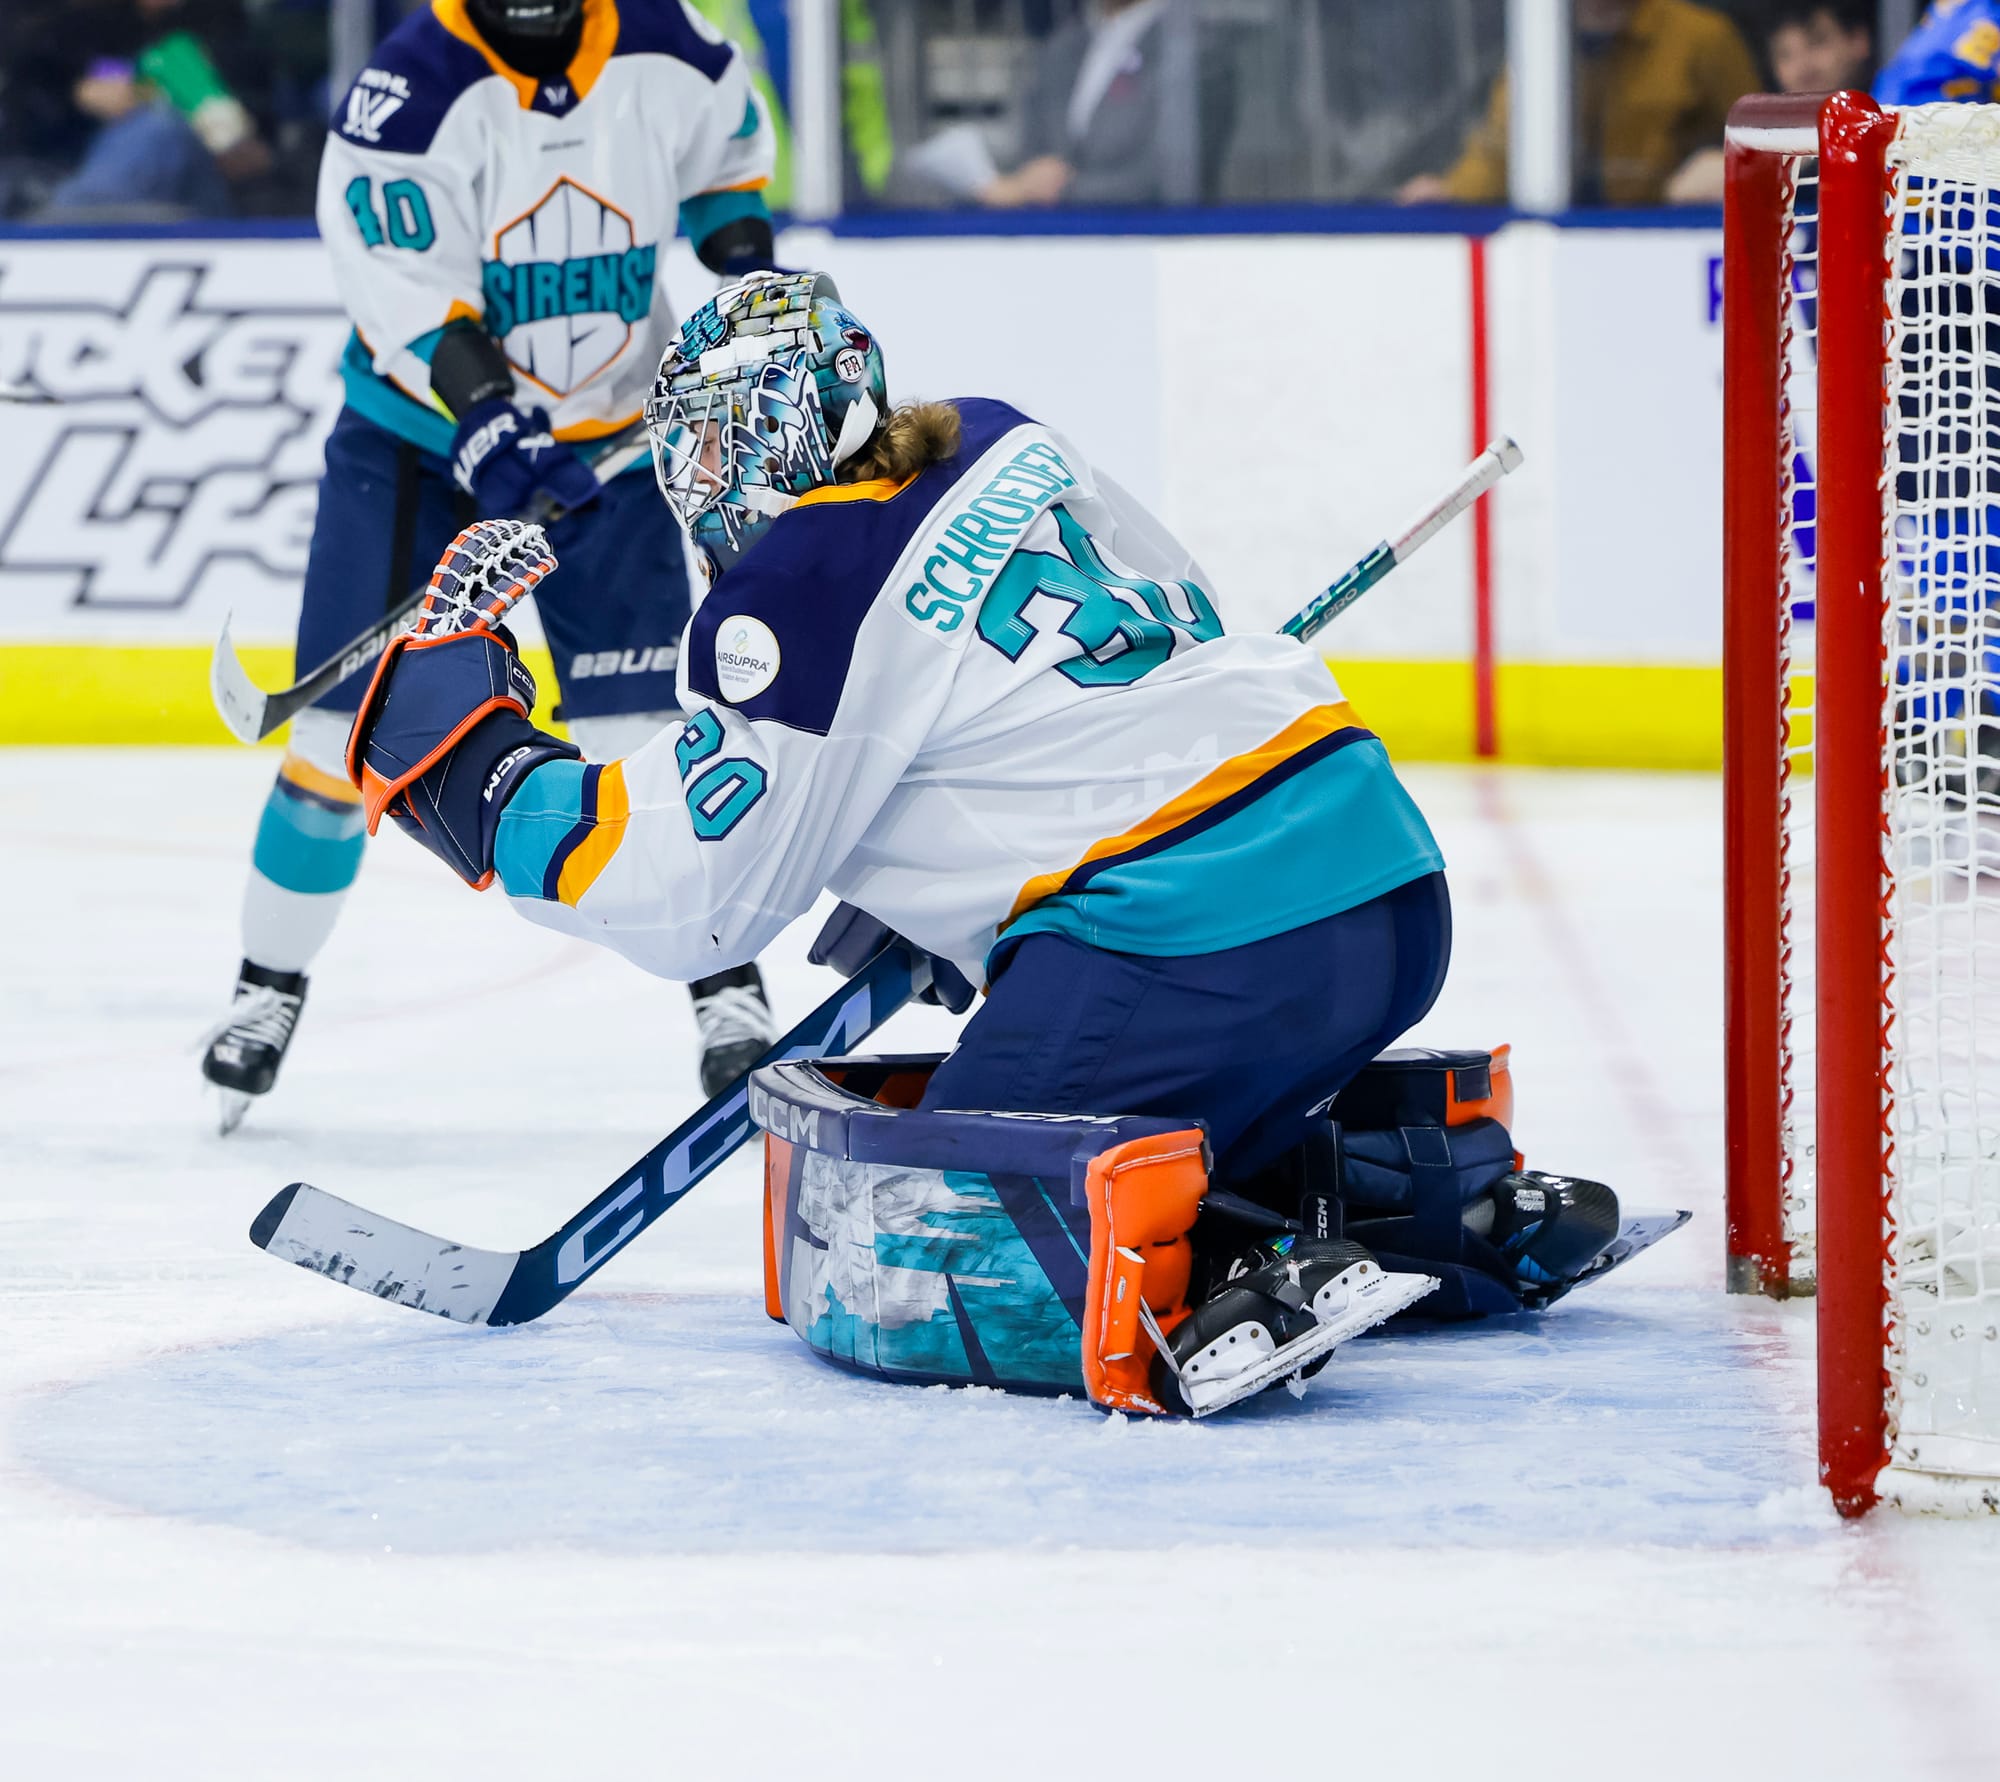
[
  {"x": 393, "y": 1261},
  {"x": 253, "y": 714},
  {"x": 383, "y": 1257},
  {"x": 1499, "y": 459}
]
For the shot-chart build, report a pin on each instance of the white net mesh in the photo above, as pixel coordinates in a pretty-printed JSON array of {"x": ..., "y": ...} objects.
[
  {"x": 1798, "y": 359},
  {"x": 1942, "y": 791}
]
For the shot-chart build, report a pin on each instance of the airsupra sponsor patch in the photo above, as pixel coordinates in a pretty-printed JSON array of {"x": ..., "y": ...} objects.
[
  {"x": 746, "y": 657},
  {"x": 973, "y": 544}
]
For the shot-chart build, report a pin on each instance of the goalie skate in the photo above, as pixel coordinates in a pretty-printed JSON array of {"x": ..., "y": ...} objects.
[{"x": 1277, "y": 1318}]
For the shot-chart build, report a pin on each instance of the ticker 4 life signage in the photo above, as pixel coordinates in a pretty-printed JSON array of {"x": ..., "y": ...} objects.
[{"x": 173, "y": 462}]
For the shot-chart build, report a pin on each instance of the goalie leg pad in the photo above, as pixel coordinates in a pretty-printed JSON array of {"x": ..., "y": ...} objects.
[
  {"x": 972, "y": 1248},
  {"x": 1431, "y": 1179},
  {"x": 1143, "y": 1196}
]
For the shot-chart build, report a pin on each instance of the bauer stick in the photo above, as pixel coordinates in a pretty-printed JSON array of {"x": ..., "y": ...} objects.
[
  {"x": 359, "y": 1249},
  {"x": 253, "y": 714}
]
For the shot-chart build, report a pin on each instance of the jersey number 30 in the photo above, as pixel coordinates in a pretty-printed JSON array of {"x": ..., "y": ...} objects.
[
  {"x": 1119, "y": 642},
  {"x": 720, "y": 796}
]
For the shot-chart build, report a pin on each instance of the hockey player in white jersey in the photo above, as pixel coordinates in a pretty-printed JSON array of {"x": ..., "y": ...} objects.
[
  {"x": 952, "y": 672},
  {"x": 497, "y": 195}
]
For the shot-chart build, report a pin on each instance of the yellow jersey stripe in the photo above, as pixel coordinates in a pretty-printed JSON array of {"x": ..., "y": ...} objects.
[
  {"x": 593, "y": 853},
  {"x": 881, "y": 489},
  {"x": 1223, "y": 782}
]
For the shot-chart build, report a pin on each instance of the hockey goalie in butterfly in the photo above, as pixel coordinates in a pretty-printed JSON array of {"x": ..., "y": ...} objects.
[{"x": 952, "y": 673}]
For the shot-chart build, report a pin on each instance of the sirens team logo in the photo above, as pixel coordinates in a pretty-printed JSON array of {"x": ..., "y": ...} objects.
[{"x": 566, "y": 286}]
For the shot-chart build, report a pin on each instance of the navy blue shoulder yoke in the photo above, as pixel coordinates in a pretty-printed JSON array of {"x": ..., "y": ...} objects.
[
  {"x": 414, "y": 77},
  {"x": 813, "y": 578},
  {"x": 663, "y": 28}
]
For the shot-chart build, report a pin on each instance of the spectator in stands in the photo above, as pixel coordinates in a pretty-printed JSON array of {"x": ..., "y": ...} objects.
[
  {"x": 171, "y": 133},
  {"x": 1105, "y": 117},
  {"x": 1953, "y": 54},
  {"x": 1654, "y": 83},
  {"x": 1821, "y": 46},
  {"x": 761, "y": 29},
  {"x": 1814, "y": 46}
]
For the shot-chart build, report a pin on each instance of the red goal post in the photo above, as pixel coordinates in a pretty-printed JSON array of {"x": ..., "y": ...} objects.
[{"x": 1861, "y": 595}]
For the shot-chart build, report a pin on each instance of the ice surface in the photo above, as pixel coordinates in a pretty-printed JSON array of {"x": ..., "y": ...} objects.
[{"x": 252, "y": 1526}]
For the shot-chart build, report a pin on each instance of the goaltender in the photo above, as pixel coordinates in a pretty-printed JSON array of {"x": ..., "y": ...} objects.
[{"x": 950, "y": 671}]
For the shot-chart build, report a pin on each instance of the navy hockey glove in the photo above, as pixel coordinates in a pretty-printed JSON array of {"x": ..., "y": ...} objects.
[
  {"x": 852, "y": 937},
  {"x": 503, "y": 459},
  {"x": 442, "y": 739}
]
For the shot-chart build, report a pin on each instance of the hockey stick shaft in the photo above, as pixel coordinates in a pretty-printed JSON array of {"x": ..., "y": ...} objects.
[
  {"x": 253, "y": 714},
  {"x": 333, "y": 1237},
  {"x": 346, "y": 1243},
  {"x": 1498, "y": 460}
]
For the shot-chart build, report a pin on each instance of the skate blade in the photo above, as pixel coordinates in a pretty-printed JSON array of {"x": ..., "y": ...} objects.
[
  {"x": 235, "y": 1104},
  {"x": 1368, "y": 1305}
]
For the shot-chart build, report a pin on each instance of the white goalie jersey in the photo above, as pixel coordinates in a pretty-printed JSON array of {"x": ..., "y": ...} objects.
[
  {"x": 454, "y": 187},
  {"x": 993, "y": 701}
]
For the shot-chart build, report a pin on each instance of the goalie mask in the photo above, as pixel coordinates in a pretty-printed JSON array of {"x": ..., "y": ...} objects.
[{"x": 771, "y": 387}]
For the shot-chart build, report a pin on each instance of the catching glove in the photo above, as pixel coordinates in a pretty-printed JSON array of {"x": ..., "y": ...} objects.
[{"x": 442, "y": 739}]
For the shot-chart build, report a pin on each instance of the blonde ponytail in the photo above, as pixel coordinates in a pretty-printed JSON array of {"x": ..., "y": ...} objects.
[{"x": 914, "y": 437}]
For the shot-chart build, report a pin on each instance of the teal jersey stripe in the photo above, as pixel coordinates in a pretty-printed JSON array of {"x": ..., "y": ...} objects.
[
  {"x": 376, "y": 399},
  {"x": 429, "y": 429},
  {"x": 707, "y": 212},
  {"x": 304, "y": 846},
  {"x": 538, "y": 820},
  {"x": 1321, "y": 841}
]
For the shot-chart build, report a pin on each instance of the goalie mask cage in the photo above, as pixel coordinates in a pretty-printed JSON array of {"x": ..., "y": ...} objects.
[{"x": 1861, "y": 292}]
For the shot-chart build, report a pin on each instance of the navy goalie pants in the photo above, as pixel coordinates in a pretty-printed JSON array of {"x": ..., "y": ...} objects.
[{"x": 1248, "y": 1040}]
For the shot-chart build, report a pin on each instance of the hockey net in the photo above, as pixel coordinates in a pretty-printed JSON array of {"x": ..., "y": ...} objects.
[{"x": 1862, "y": 620}]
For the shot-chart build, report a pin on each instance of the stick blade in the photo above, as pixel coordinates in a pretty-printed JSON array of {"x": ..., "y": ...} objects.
[
  {"x": 237, "y": 701},
  {"x": 314, "y": 1230}
]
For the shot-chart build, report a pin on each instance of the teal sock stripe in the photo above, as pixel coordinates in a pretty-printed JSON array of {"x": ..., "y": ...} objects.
[{"x": 304, "y": 845}]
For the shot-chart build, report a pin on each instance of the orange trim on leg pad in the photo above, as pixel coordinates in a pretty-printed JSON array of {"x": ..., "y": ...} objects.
[
  {"x": 1496, "y": 1104},
  {"x": 1143, "y": 1197},
  {"x": 777, "y": 1177}
]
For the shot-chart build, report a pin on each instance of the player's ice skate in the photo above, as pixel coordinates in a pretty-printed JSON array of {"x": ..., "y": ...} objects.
[
  {"x": 1280, "y": 1315},
  {"x": 734, "y": 1017},
  {"x": 243, "y": 1052}
]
